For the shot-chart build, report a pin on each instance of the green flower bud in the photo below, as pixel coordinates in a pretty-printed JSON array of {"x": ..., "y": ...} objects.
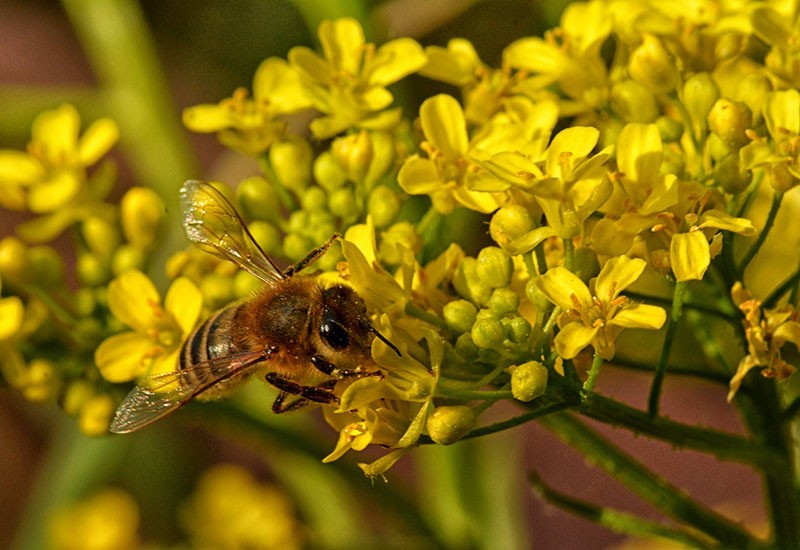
[
  {"x": 41, "y": 381},
  {"x": 528, "y": 380},
  {"x": 716, "y": 148},
  {"x": 494, "y": 267},
  {"x": 266, "y": 235},
  {"x": 459, "y": 315},
  {"x": 466, "y": 347},
  {"x": 730, "y": 176},
  {"x": 342, "y": 203},
  {"x": 14, "y": 262},
  {"x": 314, "y": 199},
  {"x": 127, "y": 257},
  {"x": 585, "y": 263},
  {"x": 729, "y": 120},
  {"x": 101, "y": 236},
  {"x": 449, "y": 423},
  {"x": 383, "y": 205},
  {"x": 84, "y": 302},
  {"x": 468, "y": 284},
  {"x": 329, "y": 260},
  {"x": 486, "y": 313},
  {"x": 77, "y": 393},
  {"x": 780, "y": 178},
  {"x": 92, "y": 270},
  {"x": 670, "y": 129},
  {"x": 142, "y": 211},
  {"x": 298, "y": 222},
  {"x": 47, "y": 266},
  {"x": 383, "y": 156},
  {"x": 291, "y": 162},
  {"x": 753, "y": 90},
  {"x": 244, "y": 283},
  {"x": 400, "y": 233},
  {"x": 503, "y": 301},
  {"x": 258, "y": 199},
  {"x": 354, "y": 154},
  {"x": 518, "y": 329},
  {"x": 653, "y": 66},
  {"x": 536, "y": 296},
  {"x": 633, "y": 102},
  {"x": 217, "y": 290},
  {"x": 488, "y": 333},
  {"x": 700, "y": 93},
  {"x": 509, "y": 223},
  {"x": 90, "y": 332},
  {"x": 327, "y": 172},
  {"x": 94, "y": 416},
  {"x": 296, "y": 246}
]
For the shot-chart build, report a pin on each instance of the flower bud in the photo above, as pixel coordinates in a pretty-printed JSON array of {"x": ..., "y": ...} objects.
[
  {"x": 142, "y": 211},
  {"x": 291, "y": 161},
  {"x": 327, "y": 172},
  {"x": 459, "y": 315},
  {"x": 669, "y": 129},
  {"x": 13, "y": 258},
  {"x": 101, "y": 236},
  {"x": 653, "y": 66},
  {"x": 585, "y": 264},
  {"x": 729, "y": 120},
  {"x": 753, "y": 90},
  {"x": 244, "y": 283},
  {"x": 127, "y": 257},
  {"x": 509, "y": 223},
  {"x": 75, "y": 395},
  {"x": 47, "y": 266},
  {"x": 488, "y": 333},
  {"x": 41, "y": 381},
  {"x": 92, "y": 270},
  {"x": 536, "y": 296},
  {"x": 217, "y": 290},
  {"x": 449, "y": 423},
  {"x": 259, "y": 199},
  {"x": 633, "y": 102},
  {"x": 314, "y": 199},
  {"x": 528, "y": 380},
  {"x": 342, "y": 203},
  {"x": 700, "y": 93},
  {"x": 354, "y": 154},
  {"x": 503, "y": 301},
  {"x": 494, "y": 267},
  {"x": 466, "y": 347},
  {"x": 780, "y": 178},
  {"x": 400, "y": 233},
  {"x": 383, "y": 205},
  {"x": 94, "y": 416},
  {"x": 730, "y": 176},
  {"x": 518, "y": 329},
  {"x": 266, "y": 235},
  {"x": 296, "y": 246},
  {"x": 468, "y": 284}
]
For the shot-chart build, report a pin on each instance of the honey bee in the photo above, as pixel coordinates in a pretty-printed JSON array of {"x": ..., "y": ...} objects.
[{"x": 304, "y": 335}]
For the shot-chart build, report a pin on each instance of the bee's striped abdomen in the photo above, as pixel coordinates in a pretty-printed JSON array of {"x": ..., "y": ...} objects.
[{"x": 211, "y": 340}]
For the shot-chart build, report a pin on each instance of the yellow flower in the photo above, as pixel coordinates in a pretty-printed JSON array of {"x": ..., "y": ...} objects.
[
  {"x": 51, "y": 178},
  {"x": 766, "y": 330},
  {"x": 109, "y": 520},
  {"x": 595, "y": 316},
  {"x": 253, "y": 125},
  {"x": 153, "y": 345},
  {"x": 348, "y": 82}
]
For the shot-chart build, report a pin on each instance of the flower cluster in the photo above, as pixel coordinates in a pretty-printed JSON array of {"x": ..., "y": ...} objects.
[{"x": 617, "y": 163}]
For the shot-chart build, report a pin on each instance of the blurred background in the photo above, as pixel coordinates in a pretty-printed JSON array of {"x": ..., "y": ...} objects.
[{"x": 206, "y": 50}]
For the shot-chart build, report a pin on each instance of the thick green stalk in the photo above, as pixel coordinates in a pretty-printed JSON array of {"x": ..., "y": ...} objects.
[
  {"x": 654, "y": 400},
  {"x": 117, "y": 41},
  {"x": 777, "y": 198},
  {"x": 652, "y": 488}
]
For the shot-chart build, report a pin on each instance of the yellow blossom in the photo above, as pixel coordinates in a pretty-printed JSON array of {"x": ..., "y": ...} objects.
[
  {"x": 108, "y": 520},
  {"x": 153, "y": 345},
  {"x": 595, "y": 316},
  {"x": 347, "y": 83}
]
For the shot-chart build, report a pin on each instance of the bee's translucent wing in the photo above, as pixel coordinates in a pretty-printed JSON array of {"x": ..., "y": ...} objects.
[
  {"x": 162, "y": 394},
  {"x": 211, "y": 222}
]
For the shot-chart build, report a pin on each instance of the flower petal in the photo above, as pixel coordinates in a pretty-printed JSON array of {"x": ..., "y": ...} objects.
[
  {"x": 560, "y": 285},
  {"x": 185, "y": 301},
  {"x": 418, "y": 176},
  {"x": 640, "y": 316},
  {"x": 97, "y": 140},
  {"x": 722, "y": 220},
  {"x": 11, "y": 314},
  {"x": 207, "y": 118},
  {"x": 572, "y": 338},
  {"x": 342, "y": 41},
  {"x": 617, "y": 274},
  {"x": 689, "y": 255},
  {"x": 123, "y": 357},
  {"x": 19, "y": 168},
  {"x": 56, "y": 132},
  {"x": 132, "y": 298},
  {"x": 394, "y": 60},
  {"x": 444, "y": 125},
  {"x": 639, "y": 152}
]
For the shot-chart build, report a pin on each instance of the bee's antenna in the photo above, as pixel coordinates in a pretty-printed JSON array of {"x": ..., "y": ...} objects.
[{"x": 383, "y": 339}]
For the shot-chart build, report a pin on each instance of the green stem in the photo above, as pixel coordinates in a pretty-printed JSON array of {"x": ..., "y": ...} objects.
[
  {"x": 569, "y": 254},
  {"x": 788, "y": 285},
  {"x": 618, "y": 521},
  {"x": 661, "y": 367},
  {"x": 594, "y": 371},
  {"x": 315, "y": 12},
  {"x": 645, "y": 483},
  {"x": 543, "y": 410},
  {"x": 777, "y": 198},
  {"x": 117, "y": 41}
]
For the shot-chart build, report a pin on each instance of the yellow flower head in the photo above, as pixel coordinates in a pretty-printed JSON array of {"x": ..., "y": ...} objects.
[
  {"x": 153, "y": 345},
  {"x": 108, "y": 520},
  {"x": 595, "y": 316},
  {"x": 347, "y": 83},
  {"x": 252, "y": 125}
]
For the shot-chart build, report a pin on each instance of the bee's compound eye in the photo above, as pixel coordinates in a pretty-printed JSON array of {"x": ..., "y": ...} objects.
[{"x": 333, "y": 333}]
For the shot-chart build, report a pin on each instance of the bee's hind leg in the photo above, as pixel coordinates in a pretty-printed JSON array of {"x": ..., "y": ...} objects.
[
  {"x": 317, "y": 394},
  {"x": 332, "y": 370}
]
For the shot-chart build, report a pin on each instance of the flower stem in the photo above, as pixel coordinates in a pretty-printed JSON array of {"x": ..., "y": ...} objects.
[
  {"x": 645, "y": 483},
  {"x": 594, "y": 371},
  {"x": 661, "y": 367},
  {"x": 777, "y": 198}
]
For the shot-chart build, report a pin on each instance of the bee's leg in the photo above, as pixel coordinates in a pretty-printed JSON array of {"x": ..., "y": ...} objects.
[
  {"x": 318, "y": 394},
  {"x": 332, "y": 370},
  {"x": 311, "y": 257}
]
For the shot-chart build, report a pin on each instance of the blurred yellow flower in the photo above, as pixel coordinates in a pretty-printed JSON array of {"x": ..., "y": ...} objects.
[
  {"x": 153, "y": 345},
  {"x": 109, "y": 520}
]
